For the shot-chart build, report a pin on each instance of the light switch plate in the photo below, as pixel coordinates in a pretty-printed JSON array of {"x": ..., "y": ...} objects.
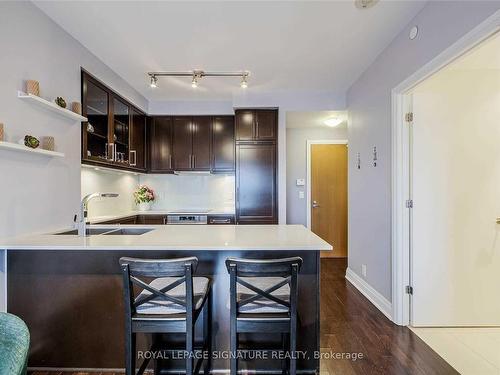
[
  {"x": 300, "y": 182},
  {"x": 301, "y": 194}
]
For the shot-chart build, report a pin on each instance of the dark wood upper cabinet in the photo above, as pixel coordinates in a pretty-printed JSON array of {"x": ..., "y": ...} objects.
[
  {"x": 202, "y": 142},
  {"x": 160, "y": 144},
  {"x": 110, "y": 136},
  {"x": 256, "y": 188},
  {"x": 182, "y": 143},
  {"x": 266, "y": 122},
  {"x": 137, "y": 157},
  {"x": 245, "y": 125},
  {"x": 223, "y": 146},
  {"x": 256, "y": 125}
]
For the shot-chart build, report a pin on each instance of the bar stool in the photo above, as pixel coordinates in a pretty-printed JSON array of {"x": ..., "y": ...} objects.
[
  {"x": 263, "y": 299},
  {"x": 171, "y": 303}
]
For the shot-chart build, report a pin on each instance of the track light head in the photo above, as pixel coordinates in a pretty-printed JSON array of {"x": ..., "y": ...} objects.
[
  {"x": 194, "y": 82},
  {"x": 244, "y": 81},
  {"x": 154, "y": 82}
]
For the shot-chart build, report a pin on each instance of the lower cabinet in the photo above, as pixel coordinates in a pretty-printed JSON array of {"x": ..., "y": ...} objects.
[
  {"x": 256, "y": 184},
  {"x": 151, "y": 219}
]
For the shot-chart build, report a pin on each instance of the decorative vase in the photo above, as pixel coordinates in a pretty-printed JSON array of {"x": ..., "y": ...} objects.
[
  {"x": 145, "y": 206},
  {"x": 76, "y": 107},
  {"x": 33, "y": 87},
  {"x": 1, "y": 132},
  {"x": 48, "y": 143}
]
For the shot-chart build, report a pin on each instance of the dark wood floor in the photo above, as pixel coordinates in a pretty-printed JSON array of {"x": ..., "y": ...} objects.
[{"x": 350, "y": 324}]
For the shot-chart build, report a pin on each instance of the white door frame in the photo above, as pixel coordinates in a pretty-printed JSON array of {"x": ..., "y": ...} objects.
[
  {"x": 401, "y": 158},
  {"x": 308, "y": 167}
]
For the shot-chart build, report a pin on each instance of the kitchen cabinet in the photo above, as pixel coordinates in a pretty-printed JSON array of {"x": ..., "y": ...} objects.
[
  {"x": 256, "y": 184},
  {"x": 114, "y": 135},
  {"x": 151, "y": 219},
  {"x": 160, "y": 144},
  {"x": 223, "y": 146},
  {"x": 192, "y": 143},
  {"x": 137, "y": 155},
  {"x": 256, "y": 124}
]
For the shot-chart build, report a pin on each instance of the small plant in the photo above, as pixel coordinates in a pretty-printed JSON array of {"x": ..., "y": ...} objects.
[
  {"x": 144, "y": 194},
  {"x": 60, "y": 102},
  {"x": 31, "y": 142}
]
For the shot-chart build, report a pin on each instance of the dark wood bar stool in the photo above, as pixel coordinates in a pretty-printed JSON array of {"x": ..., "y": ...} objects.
[
  {"x": 263, "y": 299},
  {"x": 170, "y": 303}
]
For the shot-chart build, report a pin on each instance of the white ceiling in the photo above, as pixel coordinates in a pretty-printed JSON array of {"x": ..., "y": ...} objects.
[
  {"x": 287, "y": 46},
  {"x": 316, "y": 119}
]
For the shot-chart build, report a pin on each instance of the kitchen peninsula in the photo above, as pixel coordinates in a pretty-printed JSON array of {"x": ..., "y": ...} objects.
[{"x": 68, "y": 289}]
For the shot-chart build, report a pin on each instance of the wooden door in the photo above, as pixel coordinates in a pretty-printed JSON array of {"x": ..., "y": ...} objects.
[
  {"x": 329, "y": 196},
  {"x": 137, "y": 157},
  {"x": 160, "y": 140},
  {"x": 223, "y": 150},
  {"x": 201, "y": 128},
  {"x": 245, "y": 125},
  {"x": 265, "y": 124},
  {"x": 182, "y": 143},
  {"x": 256, "y": 184}
]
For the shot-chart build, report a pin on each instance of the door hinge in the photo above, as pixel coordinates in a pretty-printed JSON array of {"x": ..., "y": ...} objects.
[
  {"x": 409, "y": 203},
  {"x": 409, "y": 117},
  {"x": 409, "y": 289}
]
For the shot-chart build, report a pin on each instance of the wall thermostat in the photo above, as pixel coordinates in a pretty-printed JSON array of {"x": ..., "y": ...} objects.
[{"x": 300, "y": 182}]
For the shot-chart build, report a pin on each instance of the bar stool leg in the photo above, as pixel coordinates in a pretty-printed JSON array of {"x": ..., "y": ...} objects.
[
  {"x": 130, "y": 353},
  {"x": 189, "y": 349},
  {"x": 207, "y": 332}
]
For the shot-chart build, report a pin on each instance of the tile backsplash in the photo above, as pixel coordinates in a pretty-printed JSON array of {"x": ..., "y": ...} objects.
[
  {"x": 172, "y": 191},
  {"x": 191, "y": 191}
]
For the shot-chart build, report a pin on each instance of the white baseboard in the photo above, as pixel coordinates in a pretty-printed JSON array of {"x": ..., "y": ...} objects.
[{"x": 371, "y": 294}]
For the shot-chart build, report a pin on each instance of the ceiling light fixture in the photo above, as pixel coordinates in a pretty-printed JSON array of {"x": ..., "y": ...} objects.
[
  {"x": 333, "y": 121},
  {"x": 196, "y": 75},
  {"x": 154, "y": 82},
  {"x": 244, "y": 81}
]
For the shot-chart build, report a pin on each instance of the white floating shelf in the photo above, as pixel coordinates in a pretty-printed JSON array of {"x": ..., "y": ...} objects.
[
  {"x": 23, "y": 148},
  {"x": 50, "y": 106}
]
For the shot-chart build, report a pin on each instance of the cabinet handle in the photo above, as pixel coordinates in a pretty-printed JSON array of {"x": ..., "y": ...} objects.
[
  {"x": 170, "y": 161},
  {"x": 132, "y": 152},
  {"x": 194, "y": 161},
  {"x": 220, "y": 221}
]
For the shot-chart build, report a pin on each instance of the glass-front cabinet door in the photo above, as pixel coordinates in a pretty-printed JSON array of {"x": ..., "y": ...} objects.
[
  {"x": 114, "y": 135},
  {"x": 96, "y": 130},
  {"x": 121, "y": 132}
]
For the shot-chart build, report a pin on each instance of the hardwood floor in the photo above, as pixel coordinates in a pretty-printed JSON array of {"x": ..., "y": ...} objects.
[{"x": 350, "y": 324}]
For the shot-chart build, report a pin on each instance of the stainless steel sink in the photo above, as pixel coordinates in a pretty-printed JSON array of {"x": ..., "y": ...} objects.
[
  {"x": 109, "y": 231},
  {"x": 128, "y": 232},
  {"x": 89, "y": 232}
]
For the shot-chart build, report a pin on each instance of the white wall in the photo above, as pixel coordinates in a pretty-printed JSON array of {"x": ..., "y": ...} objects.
[
  {"x": 369, "y": 104},
  {"x": 40, "y": 194},
  {"x": 198, "y": 192},
  {"x": 296, "y": 167}
]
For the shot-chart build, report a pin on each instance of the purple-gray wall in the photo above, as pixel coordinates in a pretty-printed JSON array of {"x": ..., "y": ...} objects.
[{"x": 369, "y": 103}]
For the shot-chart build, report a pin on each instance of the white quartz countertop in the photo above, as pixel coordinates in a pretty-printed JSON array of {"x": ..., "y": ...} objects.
[{"x": 180, "y": 237}]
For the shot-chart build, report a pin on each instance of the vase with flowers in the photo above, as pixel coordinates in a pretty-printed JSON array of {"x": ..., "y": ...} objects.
[{"x": 144, "y": 197}]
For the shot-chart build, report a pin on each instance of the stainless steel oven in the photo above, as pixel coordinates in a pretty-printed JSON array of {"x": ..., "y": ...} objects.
[{"x": 187, "y": 219}]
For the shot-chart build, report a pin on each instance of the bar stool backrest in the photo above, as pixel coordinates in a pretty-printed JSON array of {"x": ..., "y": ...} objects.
[
  {"x": 287, "y": 268},
  {"x": 181, "y": 269}
]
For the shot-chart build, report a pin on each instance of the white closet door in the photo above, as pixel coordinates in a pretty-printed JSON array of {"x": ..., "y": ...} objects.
[{"x": 456, "y": 194}]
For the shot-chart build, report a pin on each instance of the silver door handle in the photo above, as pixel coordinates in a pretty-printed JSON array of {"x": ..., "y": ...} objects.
[
  {"x": 315, "y": 204},
  {"x": 132, "y": 152}
]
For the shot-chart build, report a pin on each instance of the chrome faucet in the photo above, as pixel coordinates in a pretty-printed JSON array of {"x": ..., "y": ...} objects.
[{"x": 84, "y": 208}]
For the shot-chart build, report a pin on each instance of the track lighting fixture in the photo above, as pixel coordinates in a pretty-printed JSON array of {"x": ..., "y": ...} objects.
[
  {"x": 244, "y": 82},
  {"x": 196, "y": 75},
  {"x": 154, "y": 82}
]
